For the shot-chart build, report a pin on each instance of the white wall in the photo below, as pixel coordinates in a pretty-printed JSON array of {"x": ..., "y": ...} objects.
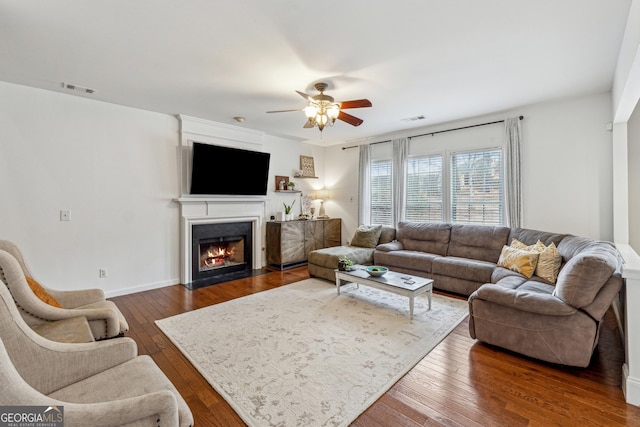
[
  {"x": 567, "y": 167},
  {"x": 567, "y": 172},
  {"x": 633, "y": 153},
  {"x": 285, "y": 161},
  {"x": 113, "y": 168}
]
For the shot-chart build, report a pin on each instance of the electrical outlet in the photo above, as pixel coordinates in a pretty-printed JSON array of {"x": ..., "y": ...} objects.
[
  {"x": 102, "y": 272},
  {"x": 65, "y": 215}
]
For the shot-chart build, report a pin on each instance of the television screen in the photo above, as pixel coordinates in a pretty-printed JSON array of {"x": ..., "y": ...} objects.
[{"x": 219, "y": 170}]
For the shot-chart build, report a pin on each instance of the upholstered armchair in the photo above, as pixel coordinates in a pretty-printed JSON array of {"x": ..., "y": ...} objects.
[
  {"x": 101, "y": 383},
  {"x": 104, "y": 317}
]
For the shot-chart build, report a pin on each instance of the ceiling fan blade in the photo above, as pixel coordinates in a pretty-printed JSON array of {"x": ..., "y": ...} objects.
[
  {"x": 308, "y": 124},
  {"x": 283, "y": 111},
  {"x": 305, "y": 96},
  {"x": 354, "y": 121},
  {"x": 356, "y": 103}
]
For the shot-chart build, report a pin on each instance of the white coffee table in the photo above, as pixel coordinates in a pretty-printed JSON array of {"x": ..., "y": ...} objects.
[{"x": 397, "y": 283}]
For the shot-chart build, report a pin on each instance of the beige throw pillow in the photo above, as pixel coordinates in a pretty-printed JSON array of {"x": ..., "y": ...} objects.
[
  {"x": 519, "y": 260},
  {"x": 549, "y": 260},
  {"x": 549, "y": 263},
  {"x": 367, "y": 236}
]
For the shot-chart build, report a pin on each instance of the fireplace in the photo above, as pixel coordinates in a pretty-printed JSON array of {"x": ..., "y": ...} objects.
[
  {"x": 212, "y": 211},
  {"x": 219, "y": 252}
]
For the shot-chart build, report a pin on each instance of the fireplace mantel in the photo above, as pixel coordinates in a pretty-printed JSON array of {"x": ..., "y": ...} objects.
[{"x": 210, "y": 209}]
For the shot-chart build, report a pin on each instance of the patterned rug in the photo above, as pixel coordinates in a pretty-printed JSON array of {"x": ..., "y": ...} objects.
[{"x": 301, "y": 355}]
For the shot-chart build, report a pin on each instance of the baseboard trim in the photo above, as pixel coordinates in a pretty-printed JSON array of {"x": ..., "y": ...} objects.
[
  {"x": 141, "y": 288},
  {"x": 630, "y": 387}
]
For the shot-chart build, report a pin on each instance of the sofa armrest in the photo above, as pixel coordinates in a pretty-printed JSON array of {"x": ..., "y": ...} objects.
[
  {"x": 159, "y": 408},
  {"x": 391, "y": 246},
  {"x": 523, "y": 300},
  {"x": 73, "y": 299}
]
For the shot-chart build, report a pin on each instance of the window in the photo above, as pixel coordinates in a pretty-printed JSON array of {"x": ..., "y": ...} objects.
[
  {"x": 459, "y": 187},
  {"x": 381, "y": 192},
  {"x": 424, "y": 189},
  {"x": 443, "y": 184},
  {"x": 476, "y": 187}
]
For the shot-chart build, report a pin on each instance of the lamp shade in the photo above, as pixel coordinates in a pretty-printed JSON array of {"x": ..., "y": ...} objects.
[{"x": 321, "y": 195}]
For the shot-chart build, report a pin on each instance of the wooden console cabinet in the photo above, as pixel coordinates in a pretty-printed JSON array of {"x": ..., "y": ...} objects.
[{"x": 289, "y": 242}]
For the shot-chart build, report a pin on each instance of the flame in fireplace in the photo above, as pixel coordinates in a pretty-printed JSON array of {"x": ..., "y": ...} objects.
[
  {"x": 218, "y": 255},
  {"x": 220, "y": 252}
]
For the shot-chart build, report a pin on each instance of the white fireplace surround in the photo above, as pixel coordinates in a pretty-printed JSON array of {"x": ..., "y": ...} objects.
[
  {"x": 216, "y": 209},
  {"x": 201, "y": 210}
]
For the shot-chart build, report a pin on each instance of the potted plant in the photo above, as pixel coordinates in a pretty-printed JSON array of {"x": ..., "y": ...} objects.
[
  {"x": 344, "y": 263},
  {"x": 291, "y": 185},
  {"x": 287, "y": 209}
]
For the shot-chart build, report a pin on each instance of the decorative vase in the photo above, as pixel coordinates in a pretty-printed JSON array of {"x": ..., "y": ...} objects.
[
  {"x": 289, "y": 217},
  {"x": 280, "y": 216}
]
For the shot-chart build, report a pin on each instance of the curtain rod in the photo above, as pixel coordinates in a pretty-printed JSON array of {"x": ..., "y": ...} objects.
[{"x": 438, "y": 131}]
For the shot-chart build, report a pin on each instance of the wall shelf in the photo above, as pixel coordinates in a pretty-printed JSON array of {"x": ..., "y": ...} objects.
[
  {"x": 314, "y": 177},
  {"x": 288, "y": 191}
]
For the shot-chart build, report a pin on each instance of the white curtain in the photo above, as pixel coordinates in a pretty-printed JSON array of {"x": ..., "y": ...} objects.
[
  {"x": 399, "y": 169},
  {"x": 513, "y": 183},
  {"x": 364, "y": 185}
]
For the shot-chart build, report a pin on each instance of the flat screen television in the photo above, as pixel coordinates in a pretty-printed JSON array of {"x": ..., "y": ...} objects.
[{"x": 219, "y": 170}]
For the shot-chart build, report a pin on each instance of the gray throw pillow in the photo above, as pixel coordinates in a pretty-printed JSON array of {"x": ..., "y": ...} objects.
[{"x": 367, "y": 236}]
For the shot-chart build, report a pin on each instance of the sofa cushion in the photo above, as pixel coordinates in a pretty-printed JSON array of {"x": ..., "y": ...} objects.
[
  {"x": 522, "y": 261},
  {"x": 530, "y": 237},
  {"x": 480, "y": 242},
  {"x": 412, "y": 260},
  {"x": 366, "y": 236},
  {"x": 584, "y": 275},
  {"x": 328, "y": 257},
  {"x": 510, "y": 282},
  {"x": 499, "y": 273},
  {"x": 388, "y": 234},
  {"x": 427, "y": 237},
  {"x": 389, "y": 246},
  {"x": 531, "y": 296},
  {"x": 463, "y": 268},
  {"x": 571, "y": 246}
]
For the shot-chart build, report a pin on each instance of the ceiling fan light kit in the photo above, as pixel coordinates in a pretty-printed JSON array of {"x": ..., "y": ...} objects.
[{"x": 322, "y": 110}]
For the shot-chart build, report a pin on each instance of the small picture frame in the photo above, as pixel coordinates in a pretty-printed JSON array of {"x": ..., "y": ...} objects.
[
  {"x": 281, "y": 180},
  {"x": 307, "y": 167}
]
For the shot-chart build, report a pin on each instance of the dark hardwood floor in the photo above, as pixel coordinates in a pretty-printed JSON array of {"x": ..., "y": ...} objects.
[{"x": 460, "y": 383}]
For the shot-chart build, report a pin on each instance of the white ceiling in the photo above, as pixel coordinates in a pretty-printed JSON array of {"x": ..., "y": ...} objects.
[{"x": 215, "y": 60}]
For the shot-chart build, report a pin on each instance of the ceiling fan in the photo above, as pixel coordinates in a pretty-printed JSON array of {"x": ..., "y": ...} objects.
[{"x": 323, "y": 111}]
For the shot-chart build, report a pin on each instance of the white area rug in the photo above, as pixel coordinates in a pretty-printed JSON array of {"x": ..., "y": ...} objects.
[{"x": 301, "y": 355}]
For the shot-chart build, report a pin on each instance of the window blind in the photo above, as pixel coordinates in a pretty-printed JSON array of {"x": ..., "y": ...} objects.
[
  {"x": 381, "y": 192},
  {"x": 424, "y": 189},
  {"x": 477, "y": 187}
]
